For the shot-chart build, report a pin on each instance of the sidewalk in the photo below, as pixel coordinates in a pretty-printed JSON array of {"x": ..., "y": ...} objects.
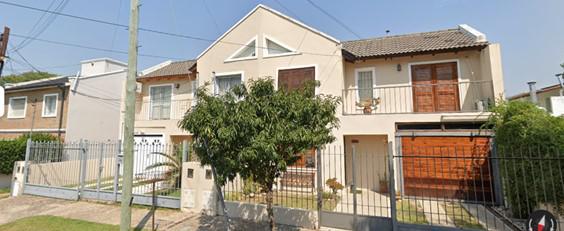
[{"x": 15, "y": 208}]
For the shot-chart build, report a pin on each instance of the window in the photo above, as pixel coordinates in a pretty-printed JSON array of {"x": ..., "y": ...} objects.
[
  {"x": 274, "y": 48},
  {"x": 365, "y": 85},
  {"x": 160, "y": 102},
  {"x": 17, "y": 107},
  {"x": 224, "y": 83},
  {"x": 50, "y": 105},
  {"x": 248, "y": 51}
]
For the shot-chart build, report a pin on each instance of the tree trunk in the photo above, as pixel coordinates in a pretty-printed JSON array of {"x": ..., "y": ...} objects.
[{"x": 269, "y": 210}]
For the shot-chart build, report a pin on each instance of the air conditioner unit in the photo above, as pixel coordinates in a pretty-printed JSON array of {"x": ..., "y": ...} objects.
[
  {"x": 138, "y": 87},
  {"x": 557, "y": 105}
]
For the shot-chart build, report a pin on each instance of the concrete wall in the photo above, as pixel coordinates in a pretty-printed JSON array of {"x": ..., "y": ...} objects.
[
  {"x": 14, "y": 127},
  {"x": 285, "y": 216},
  {"x": 198, "y": 192},
  {"x": 5, "y": 180},
  {"x": 95, "y": 104}
]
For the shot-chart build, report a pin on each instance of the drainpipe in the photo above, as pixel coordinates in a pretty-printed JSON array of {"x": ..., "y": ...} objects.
[
  {"x": 533, "y": 92},
  {"x": 63, "y": 93}
]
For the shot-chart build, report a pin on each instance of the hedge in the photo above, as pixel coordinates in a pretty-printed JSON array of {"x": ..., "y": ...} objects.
[{"x": 14, "y": 150}]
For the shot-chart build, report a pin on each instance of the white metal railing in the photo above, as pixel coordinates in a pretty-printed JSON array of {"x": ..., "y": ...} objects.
[
  {"x": 470, "y": 96},
  {"x": 162, "y": 109}
]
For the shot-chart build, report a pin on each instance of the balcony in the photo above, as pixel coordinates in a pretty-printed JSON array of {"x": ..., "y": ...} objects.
[
  {"x": 162, "y": 109},
  {"x": 468, "y": 96}
]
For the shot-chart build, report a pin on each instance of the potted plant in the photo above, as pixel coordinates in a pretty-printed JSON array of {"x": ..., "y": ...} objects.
[
  {"x": 368, "y": 105},
  {"x": 335, "y": 186}
]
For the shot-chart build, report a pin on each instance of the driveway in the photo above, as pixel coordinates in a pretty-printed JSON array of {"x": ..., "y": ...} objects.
[{"x": 14, "y": 208}]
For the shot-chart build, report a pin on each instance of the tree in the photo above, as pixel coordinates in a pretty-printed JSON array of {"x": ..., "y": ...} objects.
[
  {"x": 27, "y": 76},
  {"x": 258, "y": 131}
]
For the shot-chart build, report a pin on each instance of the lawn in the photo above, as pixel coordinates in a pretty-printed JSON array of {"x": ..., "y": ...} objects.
[
  {"x": 52, "y": 223},
  {"x": 408, "y": 212},
  {"x": 461, "y": 217},
  {"x": 4, "y": 193},
  {"x": 289, "y": 200}
]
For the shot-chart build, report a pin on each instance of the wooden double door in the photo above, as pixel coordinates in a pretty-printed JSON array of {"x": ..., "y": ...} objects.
[{"x": 435, "y": 87}]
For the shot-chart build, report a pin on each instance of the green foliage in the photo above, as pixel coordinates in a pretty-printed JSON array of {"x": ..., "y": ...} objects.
[
  {"x": 14, "y": 150},
  {"x": 258, "y": 131},
  {"x": 334, "y": 185},
  {"x": 172, "y": 165},
  {"x": 250, "y": 187},
  {"x": 529, "y": 142},
  {"x": 27, "y": 76}
]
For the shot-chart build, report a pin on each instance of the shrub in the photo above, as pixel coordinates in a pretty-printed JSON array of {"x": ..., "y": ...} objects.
[
  {"x": 14, "y": 150},
  {"x": 334, "y": 185},
  {"x": 529, "y": 141}
]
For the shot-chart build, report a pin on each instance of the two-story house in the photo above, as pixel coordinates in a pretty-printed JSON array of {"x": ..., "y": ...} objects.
[
  {"x": 35, "y": 106},
  {"x": 413, "y": 91}
]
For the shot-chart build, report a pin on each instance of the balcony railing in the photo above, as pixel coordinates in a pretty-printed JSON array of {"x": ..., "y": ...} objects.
[
  {"x": 162, "y": 109},
  {"x": 469, "y": 96}
]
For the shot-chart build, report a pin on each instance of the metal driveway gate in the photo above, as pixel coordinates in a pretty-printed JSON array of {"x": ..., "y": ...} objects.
[{"x": 92, "y": 170}]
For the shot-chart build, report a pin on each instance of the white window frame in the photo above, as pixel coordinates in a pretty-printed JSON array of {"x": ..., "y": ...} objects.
[
  {"x": 364, "y": 69},
  {"x": 10, "y": 107},
  {"x": 56, "y": 104},
  {"x": 150, "y": 111},
  {"x": 232, "y": 59},
  {"x": 216, "y": 86},
  {"x": 265, "y": 47},
  {"x": 316, "y": 77}
]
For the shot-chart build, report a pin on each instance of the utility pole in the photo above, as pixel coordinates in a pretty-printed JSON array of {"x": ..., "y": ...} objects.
[
  {"x": 129, "y": 118},
  {"x": 3, "y": 47}
]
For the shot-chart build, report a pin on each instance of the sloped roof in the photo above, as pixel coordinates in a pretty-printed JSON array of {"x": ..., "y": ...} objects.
[
  {"x": 414, "y": 43},
  {"x": 54, "y": 81},
  {"x": 539, "y": 91},
  {"x": 171, "y": 69}
]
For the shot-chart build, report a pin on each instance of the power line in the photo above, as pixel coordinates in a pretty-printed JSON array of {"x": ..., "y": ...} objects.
[
  {"x": 334, "y": 18},
  {"x": 45, "y": 25},
  {"x": 211, "y": 16},
  {"x": 144, "y": 29},
  {"x": 26, "y": 61},
  {"x": 93, "y": 48}
]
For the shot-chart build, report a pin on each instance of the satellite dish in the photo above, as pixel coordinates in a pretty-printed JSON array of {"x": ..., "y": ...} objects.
[{"x": 2, "y": 100}]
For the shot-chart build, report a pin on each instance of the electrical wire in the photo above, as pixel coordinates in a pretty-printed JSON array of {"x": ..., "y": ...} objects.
[
  {"x": 93, "y": 48},
  {"x": 211, "y": 16},
  {"x": 146, "y": 29},
  {"x": 50, "y": 19},
  {"x": 26, "y": 61},
  {"x": 334, "y": 18}
]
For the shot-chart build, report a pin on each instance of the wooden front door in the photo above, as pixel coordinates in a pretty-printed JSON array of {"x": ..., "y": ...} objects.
[
  {"x": 292, "y": 79},
  {"x": 435, "y": 87}
]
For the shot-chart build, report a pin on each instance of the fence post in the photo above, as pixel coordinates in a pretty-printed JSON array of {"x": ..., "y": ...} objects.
[
  {"x": 319, "y": 187},
  {"x": 82, "y": 150},
  {"x": 184, "y": 151},
  {"x": 392, "y": 187},
  {"x": 116, "y": 174},
  {"x": 100, "y": 169},
  {"x": 498, "y": 187},
  {"x": 26, "y": 163},
  {"x": 353, "y": 185}
]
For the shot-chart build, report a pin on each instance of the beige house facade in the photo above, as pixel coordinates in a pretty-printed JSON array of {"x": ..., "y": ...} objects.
[{"x": 430, "y": 85}]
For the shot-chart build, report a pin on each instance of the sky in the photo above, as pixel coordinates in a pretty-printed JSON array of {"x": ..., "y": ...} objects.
[{"x": 531, "y": 33}]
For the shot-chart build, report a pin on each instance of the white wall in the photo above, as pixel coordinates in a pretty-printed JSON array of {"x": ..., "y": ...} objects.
[{"x": 95, "y": 107}]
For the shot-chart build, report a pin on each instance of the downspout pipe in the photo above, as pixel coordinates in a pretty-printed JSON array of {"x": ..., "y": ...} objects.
[
  {"x": 63, "y": 94},
  {"x": 533, "y": 92}
]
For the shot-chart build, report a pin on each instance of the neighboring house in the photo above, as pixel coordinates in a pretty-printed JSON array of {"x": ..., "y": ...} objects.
[
  {"x": 549, "y": 98},
  {"x": 413, "y": 91},
  {"x": 165, "y": 92},
  {"x": 95, "y": 100},
  {"x": 38, "y": 106}
]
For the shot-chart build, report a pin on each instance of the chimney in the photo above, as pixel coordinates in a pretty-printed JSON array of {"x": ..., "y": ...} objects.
[{"x": 533, "y": 91}]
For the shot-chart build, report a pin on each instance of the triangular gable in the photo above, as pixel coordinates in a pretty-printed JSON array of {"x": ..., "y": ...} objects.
[
  {"x": 273, "y": 47},
  {"x": 247, "y": 51},
  {"x": 274, "y": 12}
]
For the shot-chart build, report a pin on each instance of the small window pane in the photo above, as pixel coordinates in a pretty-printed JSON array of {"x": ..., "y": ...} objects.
[
  {"x": 365, "y": 86},
  {"x": 160, "y": 102},
  {"x": 248, "y": 51},
  {"x": 226, "y": 82},
  {"x": 274, "y": 48},
  {"x": 208, "y": 174},
  {"x": 50, "y": 105},
  {"x": 16, "y": 108}
]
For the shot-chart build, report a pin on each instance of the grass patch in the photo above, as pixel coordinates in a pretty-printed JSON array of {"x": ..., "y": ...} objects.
[
  {"x": 289, "y": 200},
  {"x": 4, "y": 190},
  {"x": 53, "y": 223},
  {"x": 410, "y": 213},
  {"x": 461, "y": 217}
]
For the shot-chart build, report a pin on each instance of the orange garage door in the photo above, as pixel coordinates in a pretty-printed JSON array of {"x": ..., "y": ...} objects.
[{"x": 447, "y": 167}]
